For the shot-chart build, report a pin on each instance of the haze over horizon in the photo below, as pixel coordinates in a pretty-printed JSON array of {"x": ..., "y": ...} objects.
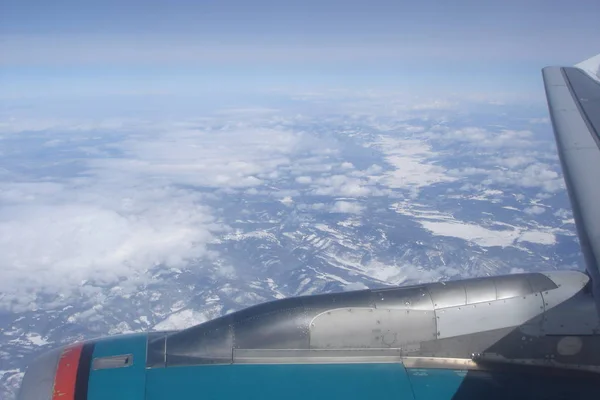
[{"x": 67, "y": 48}]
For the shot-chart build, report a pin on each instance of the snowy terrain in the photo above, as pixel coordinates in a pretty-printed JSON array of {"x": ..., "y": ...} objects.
[{"x": 113, "y": 225}]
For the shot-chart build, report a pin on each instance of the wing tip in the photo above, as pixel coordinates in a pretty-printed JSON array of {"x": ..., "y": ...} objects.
[{"x": 550, "y": 69}]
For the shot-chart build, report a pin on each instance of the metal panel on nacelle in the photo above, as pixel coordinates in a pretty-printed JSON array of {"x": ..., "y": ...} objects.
[
  {"x": 508, "y": 287},
  {"x": 369, "y": 327},
  {"x": 540, "y": 282},
  {"x": 413, "y": 298},
  {"x": 463, "y": 320},
  {"x": 213, "y": 345},
  {"x": 448, "y": 294},
  {"x": 568, "y": 307},
  {"x": 480, "y": 290},
  {"x": 577, "y": 317},
  {"x": 569, "y": 284},
  {"x": 265, "y": 332}
]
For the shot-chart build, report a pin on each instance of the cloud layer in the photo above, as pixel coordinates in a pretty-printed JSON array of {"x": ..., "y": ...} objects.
[
  {"x": 94, "y": 202},
  {"x": 128, "y": 205}
]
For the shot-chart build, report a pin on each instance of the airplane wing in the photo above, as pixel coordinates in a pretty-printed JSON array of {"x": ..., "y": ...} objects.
[{"x": 573, "y": 95}]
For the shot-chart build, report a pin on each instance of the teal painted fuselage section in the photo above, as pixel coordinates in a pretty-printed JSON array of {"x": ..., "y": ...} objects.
[
  {"x": 260, "y": 381},
  {"x": 281, "y": 381},
  {"x": 319, "y": 381},
  {"x": 127, "y": 383}
]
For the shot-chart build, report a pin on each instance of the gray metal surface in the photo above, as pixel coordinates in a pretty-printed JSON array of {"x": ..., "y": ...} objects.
[
  {"x": 572, "y": 282},
  {"x": 516, "y": 311},
  {"x": 156, "y": 353},
  {"x": 448, "y": 294},
  {"x": 378, "y": 328},
  {"x": 409, "y": 298},
  {"x": 480, "y": 290},
  {"x": 508, "y": 287},
  {"x": 567, "y": 313},
  {"x": 120, "y": 361},
  {"x": 465, "y": 346},
  {"x": 513, "y": 316},
  {"x": 316, "y": 356},
  {"x": 38, "y": 382},
  {"x": 579, "y": 155},
  {"x": 587, "y": 93}
]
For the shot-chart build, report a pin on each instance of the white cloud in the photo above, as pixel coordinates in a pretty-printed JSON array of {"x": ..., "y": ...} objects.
[
  {"x": 505, "y": 157},
  {"x": 287, "y": 200},
  {"x": 481, "y": 137},
  {"x": 373, "y": 169},
  {"x": 534, "y": 210},
  {"x": 346, "y": 207},
  {"x": 318, "y": 206},
  {"x": 563, "y": 213},
  {"x": 513, "y": 161},
  {"x": 347, "y": 165},
  {"x": 536, "y": 175},
  {"x": 343, "y": 185},
  {"x": 304, "y": 180},
  {"x": 99, "y": 234},
  {"x": 235, "y": 157}
]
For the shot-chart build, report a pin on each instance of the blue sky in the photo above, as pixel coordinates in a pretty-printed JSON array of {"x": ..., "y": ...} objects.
[{"x": 74, "y": 48}]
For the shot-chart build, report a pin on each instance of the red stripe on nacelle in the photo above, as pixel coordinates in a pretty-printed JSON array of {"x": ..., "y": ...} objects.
[{"x": 66, "y": 373}]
